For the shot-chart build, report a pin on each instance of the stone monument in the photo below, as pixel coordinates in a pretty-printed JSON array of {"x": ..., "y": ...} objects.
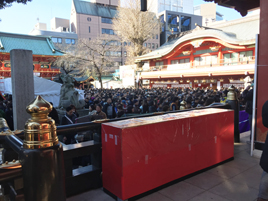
[{"x": 22, "y": 85}]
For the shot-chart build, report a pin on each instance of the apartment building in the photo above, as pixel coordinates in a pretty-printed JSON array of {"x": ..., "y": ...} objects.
[
  {"x": 59, "y": 33},
  {"x": 90, "y": 19}
]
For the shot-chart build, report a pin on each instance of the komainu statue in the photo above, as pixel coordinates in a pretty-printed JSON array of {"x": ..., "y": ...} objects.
[{"x": 68, "y": 94}]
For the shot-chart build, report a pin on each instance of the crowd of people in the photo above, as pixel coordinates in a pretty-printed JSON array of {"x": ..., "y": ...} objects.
[{"x": 115, "y": 103}]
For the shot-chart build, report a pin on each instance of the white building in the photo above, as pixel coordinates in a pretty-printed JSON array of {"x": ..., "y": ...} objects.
[
  {"x": 208, "y": 12},
  {"x": 183, "y": 6}
]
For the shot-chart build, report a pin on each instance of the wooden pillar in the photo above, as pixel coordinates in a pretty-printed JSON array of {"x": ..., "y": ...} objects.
[
  {"x": 262, "y": 95},
  {"x": 220, "y": 56}
]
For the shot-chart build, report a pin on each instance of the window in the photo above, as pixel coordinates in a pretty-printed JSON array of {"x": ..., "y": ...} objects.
[
  {"x": 156, "y": 46},
  {"x": 125, "y": 43},
  {"x": 68, "y": 41},
  {"x": 174, "y": 62},
  {"x": 206, "y": 60},
  {"x": 106, "y": 20},
  {"x": 162, "y": 23},
  {"x": 153, "y": 45},
  {"x": 108, "y": 31},
  {"x": 119, "y": 53},
  {"x": 59, "y": 40},
  {"x": 185, "y": 23},
  {"x": 54, "y": 40},
  {"x": 89, "y": 38},
  {"x": 246, "y": 56},
  {"x": 156, "y": 36},
  {"x": 153, "y": 36},
  {"x": 129, "y": 43},
  {"x": 183, "y": 61},
  {"x": 107, "y": 53},
  {"x": 125, "y": 53},
  {"x": 145, "y": 44},
  {"x": 89, "y": 19},
  {"x": 160, "y": 63},
  {"x": 149, "y": 45},
  {"x": 73, "y": 41},
  {"x": 88, "y": 29},
  {"x": 173, "y": 23}
]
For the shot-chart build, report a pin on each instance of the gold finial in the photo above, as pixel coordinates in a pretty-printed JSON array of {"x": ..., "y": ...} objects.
[
  {"x": 3, "y": 125},
  {"x": 183, "y": 105},
  {"x": 39, "y": 130},
  {"x": 231, "y": 95}
]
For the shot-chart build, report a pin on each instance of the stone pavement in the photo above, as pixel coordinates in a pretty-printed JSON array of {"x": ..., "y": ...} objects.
[{"x": 237, "y": 180}]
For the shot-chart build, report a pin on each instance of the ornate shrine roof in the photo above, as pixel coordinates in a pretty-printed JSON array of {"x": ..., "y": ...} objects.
[
  {"x": 38, "y": 44},
  {"x": 239, "y": 32}
]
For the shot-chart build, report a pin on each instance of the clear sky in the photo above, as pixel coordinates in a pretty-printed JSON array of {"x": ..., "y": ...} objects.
[{"x": 21, "y": 18}]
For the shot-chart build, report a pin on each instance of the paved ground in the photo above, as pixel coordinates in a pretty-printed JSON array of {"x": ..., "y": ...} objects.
[{"x": 237, "y": 180}]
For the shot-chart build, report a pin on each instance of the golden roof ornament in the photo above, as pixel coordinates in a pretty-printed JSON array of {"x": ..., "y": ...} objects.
[
  {"x": 231, "y": 95},
  {"x": 39, "y": 130},
  {"x": 183, "y": 105}
]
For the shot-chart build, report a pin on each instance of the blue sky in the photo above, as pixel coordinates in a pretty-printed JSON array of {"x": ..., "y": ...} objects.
[{"x": 21, "y": 18}]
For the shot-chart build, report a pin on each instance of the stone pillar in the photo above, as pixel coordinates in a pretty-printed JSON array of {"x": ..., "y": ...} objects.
[
  {"x": 22, "y": 85},
  {"x": 262, "y": 72}
]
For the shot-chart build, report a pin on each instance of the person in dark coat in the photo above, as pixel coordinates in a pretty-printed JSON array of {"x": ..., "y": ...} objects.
[
  {"x": 68, "y": 118},
  {"x": 248, "y": 97},
  {"x": 263, "y": 189},
  {"x": 108, "y": 109},
  {"x": 54, "y": 115},
  {"x": 9, "y": 116}
]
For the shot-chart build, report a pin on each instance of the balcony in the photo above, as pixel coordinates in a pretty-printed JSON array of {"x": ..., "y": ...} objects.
[
  {"x": 196, "y": 68},
  {"x": 202, "y": 64}
]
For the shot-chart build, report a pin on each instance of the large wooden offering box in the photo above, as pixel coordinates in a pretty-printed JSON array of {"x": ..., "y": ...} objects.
[{"x": 144, "y": 153}]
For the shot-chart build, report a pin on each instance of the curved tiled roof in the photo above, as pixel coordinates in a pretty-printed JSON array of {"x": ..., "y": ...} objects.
[
  {"x": 193, "y": 35},
  {"x": 37, "y": 44}
]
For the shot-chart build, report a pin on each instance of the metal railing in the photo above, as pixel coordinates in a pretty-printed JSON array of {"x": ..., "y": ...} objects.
[{"x": 198, "y": 64}]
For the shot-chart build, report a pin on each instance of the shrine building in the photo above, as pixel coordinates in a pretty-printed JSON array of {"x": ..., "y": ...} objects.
[
  {"x": 42, "y": 49},
  {"x": 218, "y": 56}
]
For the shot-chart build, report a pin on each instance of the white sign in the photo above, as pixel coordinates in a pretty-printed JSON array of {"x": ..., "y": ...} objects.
[
  {"x": 145, "y": 81},
  {"x": 180, "y": 85},
  {"x": 159, "y": 85},
  {"x": 235, "y": 85}
]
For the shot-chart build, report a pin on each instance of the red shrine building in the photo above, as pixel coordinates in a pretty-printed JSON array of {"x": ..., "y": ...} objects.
[
  {"x": 42, "y": 49},
  {"x": 216, "y": 56}
]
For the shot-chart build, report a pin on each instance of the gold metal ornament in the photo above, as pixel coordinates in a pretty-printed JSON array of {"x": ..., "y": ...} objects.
[
  {"x": 40, "y": 130},
  {"x": 231, "y": 95},
  {"x": 183, "y": 105}
]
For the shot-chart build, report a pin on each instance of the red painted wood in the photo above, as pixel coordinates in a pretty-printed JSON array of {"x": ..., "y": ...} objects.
[{"x": 142, "y": 154}]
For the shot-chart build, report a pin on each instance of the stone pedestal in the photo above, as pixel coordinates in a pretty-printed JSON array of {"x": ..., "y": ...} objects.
[{"x": 22, "y": 85}]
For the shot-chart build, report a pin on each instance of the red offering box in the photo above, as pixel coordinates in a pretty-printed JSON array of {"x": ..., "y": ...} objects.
[{"x": 141, "y": 154}]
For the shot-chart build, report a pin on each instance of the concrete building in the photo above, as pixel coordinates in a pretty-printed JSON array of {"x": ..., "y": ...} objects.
[
  {"x": 60, "y": 32},
  {"x": 208, "y": 12},
  {"x": 90, "y": 19},
  {"x": 158, "y": 6},
  {"x": 176, "y": 22}
]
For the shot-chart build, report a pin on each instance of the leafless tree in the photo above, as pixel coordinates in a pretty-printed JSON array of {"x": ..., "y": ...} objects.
[
  {"x": 135, "y": 26},
  {"x": 89, "y": 56}
]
